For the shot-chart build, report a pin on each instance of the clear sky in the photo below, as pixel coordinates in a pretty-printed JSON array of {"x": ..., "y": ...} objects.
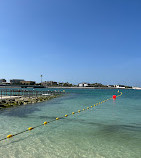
[{"x": 71, "y": 40}]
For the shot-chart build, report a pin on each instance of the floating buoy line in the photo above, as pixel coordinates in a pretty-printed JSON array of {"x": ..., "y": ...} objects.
[{"x": 58, "y": 118}]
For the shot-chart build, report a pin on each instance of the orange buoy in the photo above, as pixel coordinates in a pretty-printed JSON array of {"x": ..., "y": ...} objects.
[{"x": 114, "y": 97}]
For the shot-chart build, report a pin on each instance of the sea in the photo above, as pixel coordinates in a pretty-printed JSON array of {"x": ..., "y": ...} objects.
[{"x": 110, "y": 130}]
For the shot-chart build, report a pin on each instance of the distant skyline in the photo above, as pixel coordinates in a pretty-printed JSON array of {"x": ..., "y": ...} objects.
[{"x": 71, "y": 41}]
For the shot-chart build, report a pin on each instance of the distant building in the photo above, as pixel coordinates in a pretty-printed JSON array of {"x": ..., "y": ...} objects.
[
  {"x": 60, "y": 84},
  {"x": 138, "y": 88},
  {"x": 86, "y": 84},
  {"x": 28, "y": 82},
  {"x": 49, "y": 83},
  {"x": 16, "y": 81},
  {"x": 2, "y": 81},
  {"x": 80, "y": 85},
  {"x": 83, "y": 85},
  {"x": 119, "y": 86},
  {"x": 110, "y": 86}
]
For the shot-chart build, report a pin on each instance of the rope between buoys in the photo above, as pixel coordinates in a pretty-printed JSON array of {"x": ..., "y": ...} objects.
[{"x": 58, "y": 118}]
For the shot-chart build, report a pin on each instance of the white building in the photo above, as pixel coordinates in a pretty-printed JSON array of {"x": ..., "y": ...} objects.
[
  {"x": 119, "y": 86},
  {"x": 83, "y": 85},
  {"x": 80, "y": 85},
  {"x": 138, "y": 88},
  {"x": 86, "y": 84}
]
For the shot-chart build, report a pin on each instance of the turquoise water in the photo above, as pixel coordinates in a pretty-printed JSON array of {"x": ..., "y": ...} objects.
[{"x": 110, "y": 130}]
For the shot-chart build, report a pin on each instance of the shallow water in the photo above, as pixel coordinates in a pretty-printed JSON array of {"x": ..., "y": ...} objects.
[{"x": 110, "y": 130}]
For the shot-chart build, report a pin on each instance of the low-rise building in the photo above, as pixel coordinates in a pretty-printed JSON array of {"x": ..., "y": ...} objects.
[
  {"x": 138, "y": 88},
  {"x": 119, "y": 86},
  {"x": 83, "y": 85},
  {"x": 16, "y": 81},
  {"x": 110, "y": 86},
  {"x": 61, "y": 84},
  {"x": 49, "y": 83},
  {"x": 2, "y": 81},
  {"x": 27, "y": 82}
]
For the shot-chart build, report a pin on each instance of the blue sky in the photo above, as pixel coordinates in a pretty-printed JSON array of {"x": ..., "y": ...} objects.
[{"x": 71, "y": 40}]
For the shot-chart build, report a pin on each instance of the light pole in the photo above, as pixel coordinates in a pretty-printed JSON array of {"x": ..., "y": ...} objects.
[{"x": 41, "y": 79}]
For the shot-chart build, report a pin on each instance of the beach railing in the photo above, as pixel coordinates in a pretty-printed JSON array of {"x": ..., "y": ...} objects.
[{"x": 26, "y": 93}]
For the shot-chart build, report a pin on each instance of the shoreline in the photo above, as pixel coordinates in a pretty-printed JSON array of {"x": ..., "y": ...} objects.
[
  {"x": 86, "y": 88},
  {"x": 18, "y": 87}
]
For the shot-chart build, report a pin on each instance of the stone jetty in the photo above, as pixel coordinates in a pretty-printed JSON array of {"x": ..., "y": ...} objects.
[
  {"x": 14, "y": 98},
  {"x": 20, "y": 100}
]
